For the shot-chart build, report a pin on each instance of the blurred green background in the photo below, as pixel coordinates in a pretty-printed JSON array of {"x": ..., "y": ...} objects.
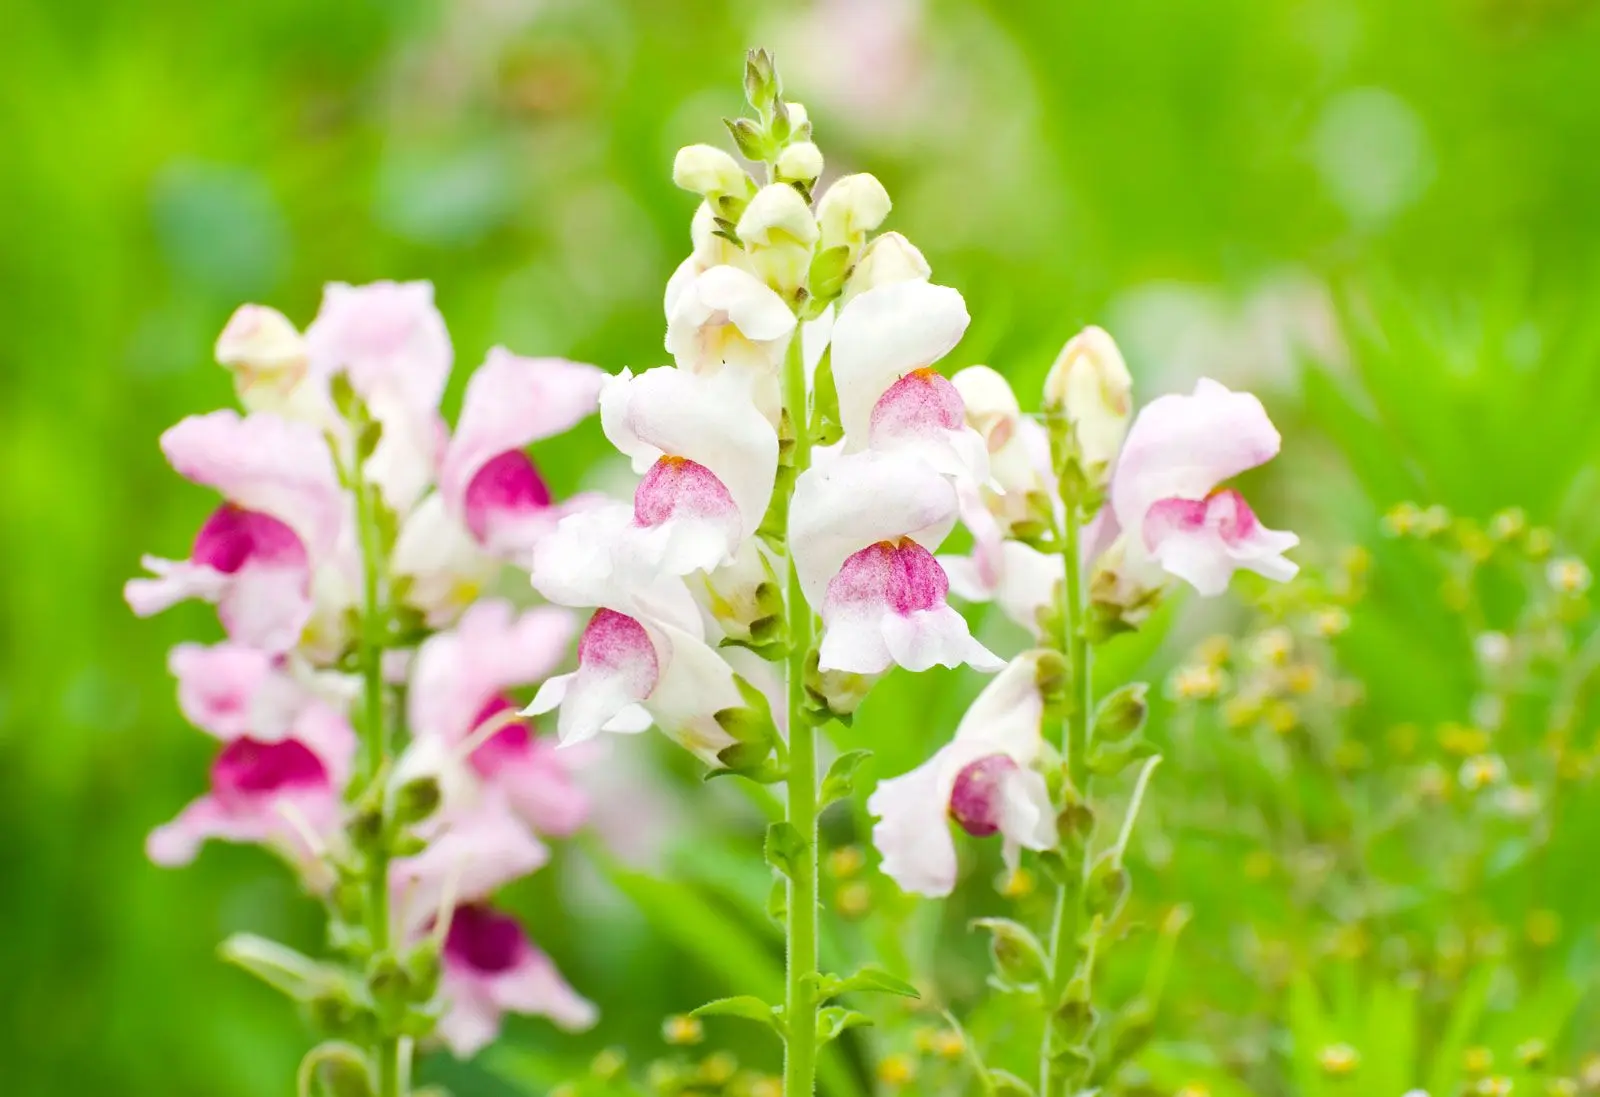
[{"x": 1384, "y": 217}]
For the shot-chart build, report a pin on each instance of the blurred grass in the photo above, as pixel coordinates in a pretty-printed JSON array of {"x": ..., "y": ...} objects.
[{"x": 1380, "y": 215}]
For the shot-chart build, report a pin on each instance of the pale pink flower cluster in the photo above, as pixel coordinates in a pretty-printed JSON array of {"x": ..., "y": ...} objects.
[
  {"x": 281, "y": 558},
  {"x": 1165, "y": 515},
  {"x": 692, "y": 562}
]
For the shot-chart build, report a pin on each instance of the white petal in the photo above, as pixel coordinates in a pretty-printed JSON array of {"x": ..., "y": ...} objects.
[
  {"x": 1006, "y": 716},
  {"x": 935, "y": 637},
  {"x": 842, "y": 505},
  {"x": 912, "y": 835},
  {"x": 884, "y": 334}
]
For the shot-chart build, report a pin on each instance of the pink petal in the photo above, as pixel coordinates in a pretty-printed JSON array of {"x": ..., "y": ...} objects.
[{"x": 388, "y": 336}]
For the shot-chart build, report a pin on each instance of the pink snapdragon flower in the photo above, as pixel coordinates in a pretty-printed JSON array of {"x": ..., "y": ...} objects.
[
  {"x": 492, "y": 505},
  {"x": 709, "y": 459},
  {"x": 635, "y": 671},
  {"x": 390, "y": 341},
  {"x": 285, "y": 792},
  {"x": 283, "y": 515},
  {"x": 490, "y": 967},
  {"x": 983, "y": 780},
  {"x": 1165, "y": 497},
  {"x": 862, "y": 527},
  {"x": 472, "y": 851},
  {"x": 460, "y": 681},
  {"x": 885, "y": 342}
]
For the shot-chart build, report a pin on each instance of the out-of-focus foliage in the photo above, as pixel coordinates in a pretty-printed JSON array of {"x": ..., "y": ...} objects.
[{"x": 1379, "y": 215}]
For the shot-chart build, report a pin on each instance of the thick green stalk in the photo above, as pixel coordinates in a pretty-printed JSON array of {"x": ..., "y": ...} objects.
[
  {"x": 800, "y": 1009},
  {"x": 1079, "y": 712},
  {"x": 375, "y": 747}
]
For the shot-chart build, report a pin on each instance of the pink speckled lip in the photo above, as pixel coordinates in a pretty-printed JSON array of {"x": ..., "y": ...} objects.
[
  {"x": 485, "y": 940},
  {"x": 977, "y": 799},
  {"x": 923, "y": 400},
  {"x": 509, "y": 483},
  {"x": 902, "y": 576},
  {"x": 247, "y": 769},
  {"x": 678, "y": 487},
  {"x": 233, "y": 537},
  {"x": 1224, "y": 511}
]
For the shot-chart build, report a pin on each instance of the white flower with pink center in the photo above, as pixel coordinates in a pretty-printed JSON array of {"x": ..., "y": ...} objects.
[
  {"x": 708, "y": 456},
  {"x": 459, "y": 684},
  {"x": 253, "y": 558},
  {"x": 632, "y": 673},
  {"x": 983, "y": 780},
  {"x": 1164, "y": 495},
  {"x": 390, "y": 340},
  {"x": 492, "y": 505},
  {"x": 489, "y": 967},
  {"x": 885, "y": 342},
  {"x": 861, "y": 528},
  {"x": 286, "y": 793}
]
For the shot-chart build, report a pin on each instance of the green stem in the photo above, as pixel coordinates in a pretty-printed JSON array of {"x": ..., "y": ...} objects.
[
  {"x": 375, "y": 746},
  {"x": 800, "y": 1010},
  {"x": 1068, "y": 919}
]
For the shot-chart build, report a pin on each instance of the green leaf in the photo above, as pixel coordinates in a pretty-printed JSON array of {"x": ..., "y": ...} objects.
[
  {"x": 745, "y": 1006},
  {"x": 875, "y": 980},
  {"x": 840, "y": 780},
  {"x": 784, "y": 848},
  {"x": 836, "y": 1019}
]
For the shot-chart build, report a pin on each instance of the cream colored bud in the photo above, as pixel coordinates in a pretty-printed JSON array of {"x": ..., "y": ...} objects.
[
  {"x": 797, "y": 115},
  {"x": 992, "y": 408},
  {"x": 851, "y": 208},
  {"x": 802, "y": 161},
  {"x": 259, "y": 339},
  {"x": 706, "y": 169},
  {"x": 889, "y": 258},
  {"x": 777, "y": 215},
  {"x": 267, "y": 358},
  {"x": 1090, "y": 384}
]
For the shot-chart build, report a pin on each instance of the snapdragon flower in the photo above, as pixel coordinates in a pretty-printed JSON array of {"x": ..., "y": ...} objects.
[{"x": 984, "y": 780}]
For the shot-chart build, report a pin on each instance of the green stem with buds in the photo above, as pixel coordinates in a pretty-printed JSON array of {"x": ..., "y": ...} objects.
[
  {"x": 375, "y": 749},
  {"x": 800, "y": 1007},
  {"x": 1078, "y": 715}
]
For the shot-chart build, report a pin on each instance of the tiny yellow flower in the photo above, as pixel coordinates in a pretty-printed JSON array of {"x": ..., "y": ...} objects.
[
  {"x": 1460, "y": 740},
  {"x": 1433, "y": 521},
  {"x": 1401, "y": 520},
  {"x": 1338, "y": 1059},
  {"x": 608, "y": 1064},
  {"x": 1273, "y": 647},
  {"x": 949, "y": 1044},
  {"x": 846, "y": 861},
  {"x": 1197, "y": 683},
  {"x": 1482, "y": 770},
  {"x": 1561, "y": 1087},
  {"x": 896, "y": 1070},
  {"x": 923, "y": 1038},
  {"x": 718, "y": 1068},
  {"x": 1568, "y": 575},
  {"x": 1533, "y": 1053},
  {"x": 1301, "y": 678},
  {"x": 1241, "y": 711},
  {"x": 1432, "y": 782},
  {"x": 1508, "y": 524},
  {"x": 681, "y": 1030},
  {"x": 1018, "y": 884},
  {"x": 766, "y": 1087},
  {"x": 1214, "y": 650},
  {"x": 1330, "y": 622},
  {"x": 1543, "y": 928},
  {"x": 1477, "y": 1060},
  {"x": 1497, "y": 1085},
  {"x": 854, "y": 899},
  {"x": 1282, "y": 717}
]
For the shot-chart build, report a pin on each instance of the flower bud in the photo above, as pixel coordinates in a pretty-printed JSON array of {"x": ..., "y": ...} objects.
[
  {"x": 777, "y": 215},
  {"x": 889, "y": 258},
  {"x": 707, "y": 170},
  {"x": 799, "y": 119},
  {"x": 851, "y": 208},
  {"x": 1122, "y": 713},
  {"x": 992, "y": 408},
  {"x": 266, "y": 355},
  {"x": 1090, "y": 385},
  {"x": 802, "y": 162}
]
